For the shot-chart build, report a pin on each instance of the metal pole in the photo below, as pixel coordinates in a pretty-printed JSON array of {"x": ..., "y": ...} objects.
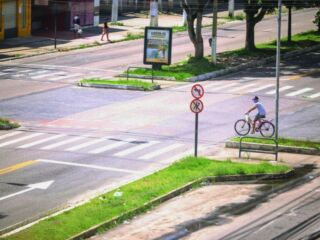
[
  {"x": 278, "y": 70},
  {"x": 214, "y": 32},
  {"x": 55, "y": 26},
  {"x": 196, "y": 137}
]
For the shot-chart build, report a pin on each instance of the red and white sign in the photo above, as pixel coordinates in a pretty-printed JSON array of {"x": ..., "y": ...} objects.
[
  {"x": 196, "y": 106},
  {"x": 197, "y": 91}
]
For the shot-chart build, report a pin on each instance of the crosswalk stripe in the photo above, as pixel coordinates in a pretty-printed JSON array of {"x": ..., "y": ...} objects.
[
  {"x": 87, "y": 166},
  {"x": 260, "y": 88},
  {"x": 38, "y": 72},
  {"x": 280, "y": 90},
  {"x": 66, "y": 76},
  {"x": 224, "y": 86},
  {"x": 295, "y": 93},
  {"x": 86, "y": 144},
  {"x": 21, "y": 139},
  {"x": 182, "y": 87},
  {"x": 42, "y": 141},
  {"x": 161, "y": 151},
  {"x": 46, "y": 75},
  {"x": 58, "y": 144},
  {"x": 3, "y": 73},
  {"x": 25, "y": 71},
  {"x": 10, "y": 70},
  {"x": 314, "y": 95},
  {"x": 111, "y": 146},
  {"x": 9, "y": 135},
  {"x": 135, "y": 149},
  {"x": 242, "y": 87}
]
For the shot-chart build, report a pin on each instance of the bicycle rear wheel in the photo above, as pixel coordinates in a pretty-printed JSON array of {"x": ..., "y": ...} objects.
[
  {"x": 267, "y": 129},
  {"x": 242, "y": 127}
]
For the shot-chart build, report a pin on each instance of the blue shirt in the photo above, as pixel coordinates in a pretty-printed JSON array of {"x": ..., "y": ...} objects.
[{"x": 261, "y": 110}]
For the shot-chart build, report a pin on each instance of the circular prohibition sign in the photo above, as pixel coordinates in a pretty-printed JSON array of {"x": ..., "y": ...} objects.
[
  {"x": 196, "y": 106},
  {"x": 197, "y": 91}
]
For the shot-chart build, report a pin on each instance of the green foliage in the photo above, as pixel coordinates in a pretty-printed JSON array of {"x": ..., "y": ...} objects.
[
  {"x": 6, "y": 124},
  {"x": 317, "y": 20},
  {"x": 116, "y": 23},
  {"x": 137, "y": 194},
  {"x": 133, "y": 36}
]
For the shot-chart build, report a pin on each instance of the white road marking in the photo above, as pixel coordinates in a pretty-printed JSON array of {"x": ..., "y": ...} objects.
[
  {"x": 2, "y": 73},
  {"x": 10, "y": 70},
  {"x": 42, "y": 141},
  {"x": 86, "y": 144},
  {"x": 88, "y": 166},
  {"x": 179, "y": 156},
  {"x": 111, "y": 146},
  {"x": 9, "y": 135},
  {"x": 261, "y": 88},
  {"x": 183, "y": 86},
  {"x": 314, "y": 95},
  {"x": 280, "y": 90},
  {"x": 46, "y": 75},
  {"x": 58, "y": 144},
  {"x": 66, "y": 76},
  {"x": 135, "y": 149},
  {"x": 25, "y": 71},
  {"x": 21, "y": 139},
  {"x": 223, "y": 86},
  {"x": 242, "y": 87},
  {"x": 295, "y": 93},
  {"x": 161, "y": 151},
  {"x": 38, "y": 72}
]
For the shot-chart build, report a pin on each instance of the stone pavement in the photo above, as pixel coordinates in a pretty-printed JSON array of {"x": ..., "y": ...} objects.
[
  {"x": 201, "y": 213},
  {"x": 43, "y": 41}
]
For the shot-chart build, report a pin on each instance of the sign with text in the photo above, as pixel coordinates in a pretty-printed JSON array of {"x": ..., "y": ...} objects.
[{"x": 157, "y": 45}]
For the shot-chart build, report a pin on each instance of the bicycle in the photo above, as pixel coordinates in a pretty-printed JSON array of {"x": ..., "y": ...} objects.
[{"x": 243, "y": 127}]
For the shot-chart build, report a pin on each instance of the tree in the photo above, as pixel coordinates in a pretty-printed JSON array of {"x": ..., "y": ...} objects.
[
  {"x": 194, "y": 10},
  {"x": 317, "y": 20}
]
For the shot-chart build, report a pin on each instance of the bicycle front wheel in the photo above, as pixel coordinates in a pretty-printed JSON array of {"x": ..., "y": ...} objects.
[
  {"x": 267, "y": 129},
  {"x": 242, "y": 127}
]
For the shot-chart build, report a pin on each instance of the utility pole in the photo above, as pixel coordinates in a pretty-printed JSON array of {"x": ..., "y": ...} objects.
[
  {"x": 231, "y": 8},
  {"x": 154, "y": 13},
  {"x": 214, "y": 32},
  {"x": 114, "y": 14},
  {"x": 278, "y": 69},
  {"x": 55, "y": 24}
]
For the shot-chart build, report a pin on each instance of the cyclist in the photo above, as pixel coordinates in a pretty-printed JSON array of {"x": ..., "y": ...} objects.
[{"x": 261, "y": 112}]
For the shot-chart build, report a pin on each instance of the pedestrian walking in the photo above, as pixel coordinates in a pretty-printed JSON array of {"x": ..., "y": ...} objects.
[
  {"x": 105, "y": 31},
  {"x": 76, "y": 26}
]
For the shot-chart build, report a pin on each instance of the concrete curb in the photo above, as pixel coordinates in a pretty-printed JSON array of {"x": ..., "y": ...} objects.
[
  {"x": 202, "y": 181},
  {"x": 268, "y": 147},
  {"x": 147, "y": 77},
  {"x": 122, "y": 87},
  {"x": 251, "y": 64}
]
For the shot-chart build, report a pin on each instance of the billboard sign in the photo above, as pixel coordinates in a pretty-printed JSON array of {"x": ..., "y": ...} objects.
[{"x": 157, "y": 45}]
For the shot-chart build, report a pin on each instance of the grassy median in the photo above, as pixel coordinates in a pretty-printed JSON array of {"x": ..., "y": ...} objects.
[
  {"x": 136, "y": 195},
  {"x": 6, "y": 124}
]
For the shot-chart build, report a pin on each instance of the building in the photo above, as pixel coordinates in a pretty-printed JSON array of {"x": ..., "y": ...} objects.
[{"x": 15, "y": 18}]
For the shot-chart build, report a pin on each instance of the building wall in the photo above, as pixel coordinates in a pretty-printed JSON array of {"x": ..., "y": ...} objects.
[{"x": 15, "y": 18}]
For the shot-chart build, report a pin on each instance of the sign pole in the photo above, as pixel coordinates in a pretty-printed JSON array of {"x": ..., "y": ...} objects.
[{"x": 196, "y": 136}]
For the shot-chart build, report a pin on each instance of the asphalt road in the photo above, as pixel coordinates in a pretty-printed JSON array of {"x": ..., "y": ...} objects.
[{"x": 79, "y": 141}]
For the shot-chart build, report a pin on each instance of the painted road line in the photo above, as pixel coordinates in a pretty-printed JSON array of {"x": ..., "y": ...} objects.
[
  {"x": 295, "y": 93},
  {"x": 179, "y": 156},
  {"x": 88, "y": 166},
  {"x": 38, "y": 72},
  {"x": 58, "y": 144},
  {"x": 21, "y": 139},
  {"x": 314, "y": 95},
  {"x": 25, "y": 71},
  {"x": 9, "y": 135},
  {"x": 10, "y": 70},
  {"x": 111, "y": 146},
  {"x": 242, "y": 87},
  {"x": 86, "y": 144},
  {"x": 42, "y": 141},
  {"x": 46, "y": 75},
  {"x": 3, "y": 73},
  {"x": 17, "y": 166},
  {"x": 30, "y": 187},
  {"x": 161, "y": 151},
  {"x": 183, "y": 86},
  {"x": 280, "y": 90},
  {"x": 135, "y": 149},
  {"x": 261, "y": 88},
  {"x": 64, "y": 77},
  {"x": 224, "y": 86}
]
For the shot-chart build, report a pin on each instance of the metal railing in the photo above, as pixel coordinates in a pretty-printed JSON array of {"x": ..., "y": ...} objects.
[
  {"x": 247, "y": 149},
  {"x": 152, "y": 74}
]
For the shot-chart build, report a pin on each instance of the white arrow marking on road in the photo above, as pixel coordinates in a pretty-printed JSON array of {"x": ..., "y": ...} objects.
[{"x": 30, "y": 187}]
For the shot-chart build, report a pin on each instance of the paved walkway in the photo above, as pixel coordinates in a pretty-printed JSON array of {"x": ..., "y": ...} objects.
[
  {"x": 201, "y": 214},
  {"x": 44, "y": 41}
]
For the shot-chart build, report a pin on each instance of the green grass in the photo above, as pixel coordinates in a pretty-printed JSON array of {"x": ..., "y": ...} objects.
[
  {"x": 7, "y": 124},
  {"x": 182, "y": 70},
  {"x": 283, "y": 141},
  {"x": 179, "y": 29},
  {"x": 238, "y": 16},
  {"x": 136, "y": 194},
  {"x": 135, "y": 83},
  {"x": 116, "y": 23}
]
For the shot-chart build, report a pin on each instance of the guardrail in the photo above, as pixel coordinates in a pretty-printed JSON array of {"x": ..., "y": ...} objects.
[
  {"x": 243, "y": 149},
  {"x": 152, "y": 75}
]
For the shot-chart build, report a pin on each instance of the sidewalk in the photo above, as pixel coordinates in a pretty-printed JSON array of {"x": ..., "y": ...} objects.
[
  {"x": 203, "y": 213},
  {"x": 43, "y": 41}
]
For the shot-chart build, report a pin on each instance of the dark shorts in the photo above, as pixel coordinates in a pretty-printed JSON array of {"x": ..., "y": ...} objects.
[{"x": 258, "y": 116}]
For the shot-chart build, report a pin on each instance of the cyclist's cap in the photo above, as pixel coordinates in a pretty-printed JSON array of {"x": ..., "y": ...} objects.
[{"x": 255, "y": 98}]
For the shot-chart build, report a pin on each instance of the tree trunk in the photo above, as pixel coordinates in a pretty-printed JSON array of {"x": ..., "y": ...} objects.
[
  {"x": 250, "y": 23},
  {"x": 289, "y": 24},
  {"x": 199, "y": 46}
]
